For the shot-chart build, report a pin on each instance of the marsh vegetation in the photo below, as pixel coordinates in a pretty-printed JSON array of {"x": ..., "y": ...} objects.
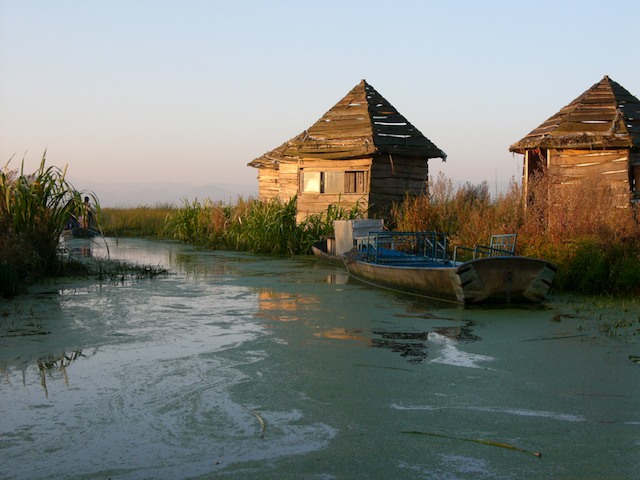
[
  {"x": 595, "y": 244},
  {"x": 145, "y": 221},
  {"x": 253, "y": 225},
  {"x": 35, "y": 210}
]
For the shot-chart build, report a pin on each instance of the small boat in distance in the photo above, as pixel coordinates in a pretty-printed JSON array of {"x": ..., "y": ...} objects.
[
  {"x": 418, "y": 263},
  {"x": 82, "y": 225},
  {"x": 81, "y": 232}
]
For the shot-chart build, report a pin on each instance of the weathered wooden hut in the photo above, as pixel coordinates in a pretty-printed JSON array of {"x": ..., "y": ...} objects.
[
  {"x": 362, "y": 151},
  {"x": 595, "y": 136}
]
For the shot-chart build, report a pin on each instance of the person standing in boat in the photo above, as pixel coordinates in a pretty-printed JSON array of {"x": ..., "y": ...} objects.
[{"x": 86, "y": 220}]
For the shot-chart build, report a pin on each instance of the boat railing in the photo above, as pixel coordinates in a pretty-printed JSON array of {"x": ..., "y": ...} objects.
[
  {"x": 403, "y": 247},
  {"x": 500, "y": 246}
]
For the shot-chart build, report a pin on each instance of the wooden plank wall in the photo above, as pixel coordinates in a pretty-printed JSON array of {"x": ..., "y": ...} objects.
[
  {"x": 313, "y": 203},
  {"x": 268, "y": 187},
  {"x": 394, "y": 177},
  {"x": 323, "y": 165},
  {"x": 310, "y": 204},
  {"x": 391, "y": 178},
  {"x": 288, "y": 179},
  {"x": 278, "y": 183},
  {"x": 605, "y": 167}
]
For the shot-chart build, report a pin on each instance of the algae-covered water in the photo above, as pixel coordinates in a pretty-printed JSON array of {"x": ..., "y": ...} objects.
[{"x": 246, "y": 366}]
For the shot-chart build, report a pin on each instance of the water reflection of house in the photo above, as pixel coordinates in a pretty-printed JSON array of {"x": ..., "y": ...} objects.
[
  {"x": 284, "y": 307},
  {"x": 362, "y": 151},
  {"x": 337, "y": 278},
  {"x": 595, "y": 136},
  {"x": 338, "y": 333}
]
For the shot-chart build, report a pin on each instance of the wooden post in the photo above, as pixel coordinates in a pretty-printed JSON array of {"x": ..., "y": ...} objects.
[{"x": 525, "y": 176}]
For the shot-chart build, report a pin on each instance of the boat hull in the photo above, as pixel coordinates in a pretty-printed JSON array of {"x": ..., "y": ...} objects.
[
  {"x": 504, "y": 280},
  {"x": 319, "y": 249},
  {"x": 492, "y": 280}
]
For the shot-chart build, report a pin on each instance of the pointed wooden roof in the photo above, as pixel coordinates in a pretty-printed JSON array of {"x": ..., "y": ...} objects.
[
  {"x": 605, "y": 116},
  {"x": 359, "y": 125}
]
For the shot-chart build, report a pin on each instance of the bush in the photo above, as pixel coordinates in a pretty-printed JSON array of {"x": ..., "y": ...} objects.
[{"x": 585, "y": 268}]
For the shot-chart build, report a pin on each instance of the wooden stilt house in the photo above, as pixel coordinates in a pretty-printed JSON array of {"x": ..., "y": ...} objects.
[
  {"x": 362, "y": 151},
  {"x": 596, "y": 136}
]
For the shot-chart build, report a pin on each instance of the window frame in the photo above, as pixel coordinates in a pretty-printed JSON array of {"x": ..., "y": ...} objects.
[{"x": 338, "y": 182}]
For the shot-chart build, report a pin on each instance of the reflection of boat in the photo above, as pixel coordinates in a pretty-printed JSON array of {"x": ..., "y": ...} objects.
[
  {"x": 417, "y": 263},
  {"x": 81, "y": 232}
]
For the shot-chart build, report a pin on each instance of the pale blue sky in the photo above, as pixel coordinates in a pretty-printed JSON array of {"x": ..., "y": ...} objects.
[{"x": 190, "y": 91}]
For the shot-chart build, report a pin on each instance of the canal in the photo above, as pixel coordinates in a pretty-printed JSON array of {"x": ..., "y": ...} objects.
[{"x": 248, "y": 366}]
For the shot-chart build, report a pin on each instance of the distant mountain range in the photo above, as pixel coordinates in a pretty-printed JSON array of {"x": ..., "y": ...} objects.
[{"x": 136, "y": 194}]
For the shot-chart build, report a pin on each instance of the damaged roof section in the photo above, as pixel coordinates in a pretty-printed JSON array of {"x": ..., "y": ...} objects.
[
  {"x": 362, "y": 124},
  {"x": 605, "y": 116}
]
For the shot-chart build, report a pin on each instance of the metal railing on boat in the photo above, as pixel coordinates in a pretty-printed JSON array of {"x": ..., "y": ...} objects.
[
  {"x": 403, "y": 247},
  {"x": 500, "y": 246}
]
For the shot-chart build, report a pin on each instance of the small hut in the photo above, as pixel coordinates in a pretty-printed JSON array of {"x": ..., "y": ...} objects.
[
  {"x": 596, "y": 136},
  {"x": 362, "y": 151}
]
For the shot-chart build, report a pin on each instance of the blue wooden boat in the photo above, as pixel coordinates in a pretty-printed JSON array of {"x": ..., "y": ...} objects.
[{"x": 419, "y": 263}]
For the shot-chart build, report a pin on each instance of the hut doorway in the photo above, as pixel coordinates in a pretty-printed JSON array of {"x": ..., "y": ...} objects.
[
  {"x": 536, "y": 161},
  {"x": 535, "y": 164}
]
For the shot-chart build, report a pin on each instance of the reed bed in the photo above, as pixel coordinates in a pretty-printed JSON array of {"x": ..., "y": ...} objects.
[
  {"x": 248, "y": 225},
  {"x": 467, "y": 213},
  {"x": 34, "y": 209},
  {"x": 595, "y": 244},
  {"x": 253, "y": 225},
  {"x": 140, "y": 221},
  {"x": 579, "y": 226}
]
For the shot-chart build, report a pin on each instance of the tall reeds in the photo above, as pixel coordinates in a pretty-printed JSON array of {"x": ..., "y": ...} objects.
[
  {"x": 265, "y": 227},
  {"x": 34, "y": 209},
  {"x": 140, "y": 221},
  {"x": 467, "y": 213},
  {"x": 579, "y": 227},
  {"x": 589, "y": 228},
  {"x": 252, "y": 225}
]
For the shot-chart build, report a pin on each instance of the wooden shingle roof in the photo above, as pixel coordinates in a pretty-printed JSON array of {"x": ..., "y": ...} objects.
[
  {"x": 361, "y": 124},
  {"x": 605, "y": 116}
]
